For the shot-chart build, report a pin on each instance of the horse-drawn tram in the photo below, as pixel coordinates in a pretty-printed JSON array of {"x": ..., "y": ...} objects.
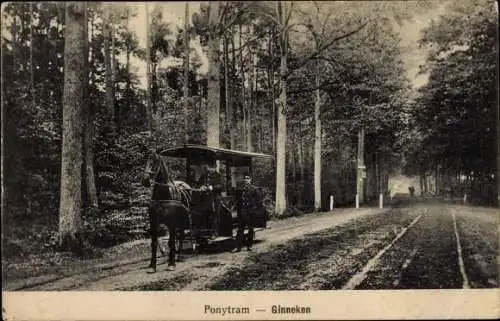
[{"x": 199, "y": 206}]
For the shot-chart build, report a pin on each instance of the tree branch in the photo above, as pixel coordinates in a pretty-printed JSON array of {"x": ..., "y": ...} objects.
[
  {"x": 288, "y": 14},
  {"x": 324, "y": 47},
  {"x": 323, "y": 85},
  {"x": 232, "y": 22},
  {"x": 249, "y": 42}
]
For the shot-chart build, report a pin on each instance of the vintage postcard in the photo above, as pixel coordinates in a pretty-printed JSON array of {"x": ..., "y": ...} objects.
[{"x": 250, "y": 160}]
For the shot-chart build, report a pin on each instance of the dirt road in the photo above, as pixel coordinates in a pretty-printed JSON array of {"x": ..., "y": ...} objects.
[
  {"x": 413, "y": 245},
  {"x": 421, "y": 246},
  {"x": 124, "y": 267}
]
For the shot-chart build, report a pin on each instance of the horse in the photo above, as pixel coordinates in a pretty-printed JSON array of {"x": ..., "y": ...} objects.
[{"x": 170, "y": 205}]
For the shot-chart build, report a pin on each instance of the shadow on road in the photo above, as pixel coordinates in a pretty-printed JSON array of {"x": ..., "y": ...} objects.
[{"x": 216, "y": 246}]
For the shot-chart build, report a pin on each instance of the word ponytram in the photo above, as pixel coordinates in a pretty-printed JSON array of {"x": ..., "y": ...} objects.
[
  {"x": 278, "y": 309},
  {"x": 226, "y": 310}
]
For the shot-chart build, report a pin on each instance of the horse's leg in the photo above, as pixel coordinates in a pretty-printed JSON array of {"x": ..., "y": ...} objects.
[
  {"x": 154, "y": 248},
  {"x": 181, "y": 241},
  {"x": 154, "y": 238},
  {"x": 171, "y": 245},
  {"x": 162, "y": 249}
]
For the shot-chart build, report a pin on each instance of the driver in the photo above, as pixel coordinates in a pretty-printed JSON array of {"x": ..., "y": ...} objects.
[
  {"x": 211, "y": 181},
  {"x": 248, "y": 202}
]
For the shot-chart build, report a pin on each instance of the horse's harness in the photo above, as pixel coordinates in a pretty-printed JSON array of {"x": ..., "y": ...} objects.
[{"x": 173, "y": 202}]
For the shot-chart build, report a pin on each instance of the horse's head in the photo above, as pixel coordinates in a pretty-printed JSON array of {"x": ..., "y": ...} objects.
[{"x": 153, "y": 167}]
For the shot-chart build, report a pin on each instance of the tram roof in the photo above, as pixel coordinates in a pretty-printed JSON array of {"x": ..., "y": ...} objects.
[{"x": 198, "y": 153}]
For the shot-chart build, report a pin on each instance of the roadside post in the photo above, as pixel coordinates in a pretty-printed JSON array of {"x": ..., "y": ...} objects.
[
  {"x": 357, "y": 200},
  {"x": 381, "y": 200},
  {"x": 331, "y": 202}
]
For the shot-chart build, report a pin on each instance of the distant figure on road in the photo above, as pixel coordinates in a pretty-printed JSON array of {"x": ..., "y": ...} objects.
[
  {"x": 246, "y": 203},
  {"x": 411, "y": 189}
]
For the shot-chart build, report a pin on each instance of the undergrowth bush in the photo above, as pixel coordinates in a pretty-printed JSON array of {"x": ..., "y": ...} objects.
[
  {"x": 290, "y": 211},
  {"x": 116, "y": 227}
]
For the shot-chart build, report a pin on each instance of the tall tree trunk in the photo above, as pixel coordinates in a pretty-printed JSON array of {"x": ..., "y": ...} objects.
[
  {"x": 32, "y": 85},
  {"x": 213, "y": 95},
  {"x": 114, "y": 70},
  {"x": 73, "y": 105},
  {"x": 360, "y": 180},
  {"x": 258, "y": 115},
  {"x": 128, "y": 85},
  {"x": 251, "y": 105},
  {"x": 127, "y": 67},
  {"x": 361, "y": 171},
  {"x": 8, "y": 133},
  {"x": 32, "y": 69},
  {"x": 91, "y": 51},
  {"x": 15, "y": 49},
  {"x": 317, "y": 141},
  {"x": 149, "y": 114},
  {"x": 498, "y": 136},
  {"x": 377, "y": 175},
  {"x": 22, "y": 41},
  {"x": 186, "y": 72},
  {"x": 243, "y": 95},
  {"x": 271, "y": 92},
  {"x": 108, "y": 66},
  {"x": 227, "y": 102},
  {"x": 88, "y": 130},
  {"x": 154, "y": 84},
  {"x": 300, "y": 151},
  {"x": 232, "y": 114},
  {"x": 293, "y": 165},
  {"x": 273, "y": 117},
  {"x": 128, "y": 52},
  {"x": 280, "y": 201}
]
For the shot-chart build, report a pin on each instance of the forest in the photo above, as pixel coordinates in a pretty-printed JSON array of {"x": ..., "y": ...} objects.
[{"x": 321, "y": 86}]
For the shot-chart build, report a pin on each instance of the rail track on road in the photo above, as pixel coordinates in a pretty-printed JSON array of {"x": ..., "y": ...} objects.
[
  {"x": 361, "y": 275},
  {"x": 428, "y": 255},
  {"x": 418, "y": 246}
]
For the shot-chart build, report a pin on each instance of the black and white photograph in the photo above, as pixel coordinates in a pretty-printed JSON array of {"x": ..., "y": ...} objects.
[{"x": 250, "y": 146}]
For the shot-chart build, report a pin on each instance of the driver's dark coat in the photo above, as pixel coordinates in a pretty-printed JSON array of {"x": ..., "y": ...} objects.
[{"x": 249, "y": 198}]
